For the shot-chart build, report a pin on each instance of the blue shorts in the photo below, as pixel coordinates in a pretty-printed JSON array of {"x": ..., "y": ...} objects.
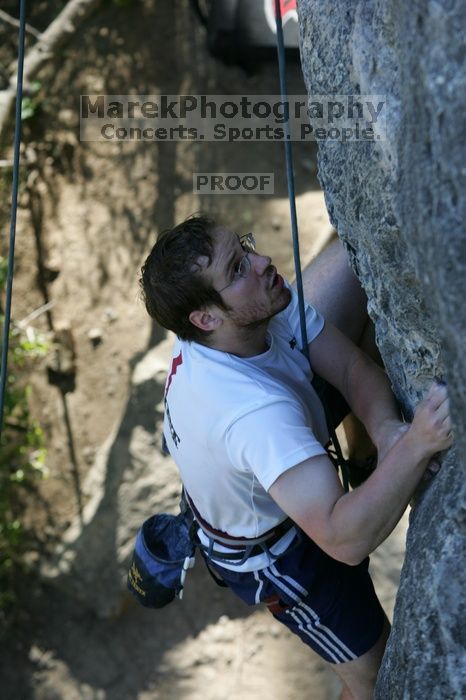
[{"x": 331, "y": 606}]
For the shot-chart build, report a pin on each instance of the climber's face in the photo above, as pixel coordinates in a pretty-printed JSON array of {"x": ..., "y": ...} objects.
[{"x": 248, "y": 282}]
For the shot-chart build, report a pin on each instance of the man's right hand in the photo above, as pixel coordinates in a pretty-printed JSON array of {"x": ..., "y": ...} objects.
[
  {"x": 431, "y": 426},
  {"x": 349, "y": 526}
]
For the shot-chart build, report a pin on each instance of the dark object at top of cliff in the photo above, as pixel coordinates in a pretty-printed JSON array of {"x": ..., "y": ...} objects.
[{"x": 242, "y": 32}]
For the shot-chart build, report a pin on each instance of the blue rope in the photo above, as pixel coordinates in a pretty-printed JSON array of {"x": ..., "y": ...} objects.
[
  {"x": 290, "y": 178},
  {"x": 14, "y": 208},
  {"x": 294, "y": 230}
]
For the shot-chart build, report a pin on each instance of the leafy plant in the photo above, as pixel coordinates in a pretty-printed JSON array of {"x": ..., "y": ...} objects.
[
  {"x": 22, "y": 455},
  {"x": 30, "y": 103}
]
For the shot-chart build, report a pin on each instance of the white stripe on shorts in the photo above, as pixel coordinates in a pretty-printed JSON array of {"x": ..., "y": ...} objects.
[
  {"x": 290, "y": 580},
  {"x": 321, "y": 634},
  {"x": 259, "y": 588},
  {"x": 333, "y": 653},
  {"x": 302, "y": 612},
  {"x": 292, "y": 594},
  {"x": 351, "y": 655}
]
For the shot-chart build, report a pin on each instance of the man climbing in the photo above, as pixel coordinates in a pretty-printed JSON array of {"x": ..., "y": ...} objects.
[{"x": 247, "y": 430}]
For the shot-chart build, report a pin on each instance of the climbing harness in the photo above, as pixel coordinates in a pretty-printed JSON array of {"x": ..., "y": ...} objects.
[
  {"x": 245, "y": 547},
  {"x": 14, "y": 208},
  {"x": 165, "y": 548}
]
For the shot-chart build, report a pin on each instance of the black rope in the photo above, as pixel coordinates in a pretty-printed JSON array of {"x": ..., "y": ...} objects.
[
  {"x": 14, "y": 208},
  {"x": 290, "y": 176},
  {"x": 294, "y": 230}
]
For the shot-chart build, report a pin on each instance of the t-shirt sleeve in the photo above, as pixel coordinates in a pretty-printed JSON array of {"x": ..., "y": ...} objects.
[
  {"x": 271, "y": 439},
  {"x": 314, "y": 319}
]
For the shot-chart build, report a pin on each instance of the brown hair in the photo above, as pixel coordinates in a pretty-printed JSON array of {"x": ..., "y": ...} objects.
[{"x": 173, "y": 283}]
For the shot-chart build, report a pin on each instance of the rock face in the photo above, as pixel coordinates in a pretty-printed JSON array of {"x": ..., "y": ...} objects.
[{"x": 399, "y": 206}]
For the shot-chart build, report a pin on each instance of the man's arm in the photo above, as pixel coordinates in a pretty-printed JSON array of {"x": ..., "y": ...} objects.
[
  {"x": 348, "y": 526},
  {"x": 362, "y": 382}
]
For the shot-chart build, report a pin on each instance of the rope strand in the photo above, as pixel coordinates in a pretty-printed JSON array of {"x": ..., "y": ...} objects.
[
  {"x": 290, "y": 177},
  {"x": 294, "y": 230},
  {"x": 14, "y": 208}
]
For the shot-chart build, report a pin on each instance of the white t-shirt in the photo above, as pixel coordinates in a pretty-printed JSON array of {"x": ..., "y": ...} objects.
[{"x": 233, "y": 425}]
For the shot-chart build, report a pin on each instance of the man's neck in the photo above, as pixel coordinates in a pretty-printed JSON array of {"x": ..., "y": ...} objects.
[{"x": 243, "y": 341}]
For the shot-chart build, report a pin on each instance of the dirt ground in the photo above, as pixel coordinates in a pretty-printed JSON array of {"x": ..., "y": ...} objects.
[{"x": 90, "y": 212}]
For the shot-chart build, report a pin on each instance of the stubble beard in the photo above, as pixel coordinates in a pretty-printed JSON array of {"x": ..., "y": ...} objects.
[{"x": 256, "y": 315}]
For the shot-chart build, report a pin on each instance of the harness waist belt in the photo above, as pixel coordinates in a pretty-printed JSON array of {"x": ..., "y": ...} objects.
[{"x": 254, "y": 545}]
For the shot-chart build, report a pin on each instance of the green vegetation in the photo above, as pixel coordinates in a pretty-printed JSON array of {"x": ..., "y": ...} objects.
[
  {"x": 22, "y": 454},
  {"x": 30, "y": 103}
]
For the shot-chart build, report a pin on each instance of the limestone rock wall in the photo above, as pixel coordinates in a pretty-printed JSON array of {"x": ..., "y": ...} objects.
[{"x": 399, "y": 206}]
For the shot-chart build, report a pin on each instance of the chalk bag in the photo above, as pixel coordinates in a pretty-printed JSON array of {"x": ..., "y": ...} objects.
[{"x": 163, "y": 553}]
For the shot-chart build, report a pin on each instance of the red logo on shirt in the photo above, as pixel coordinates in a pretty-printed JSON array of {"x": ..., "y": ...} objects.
[{"x": 176, "y": 362}]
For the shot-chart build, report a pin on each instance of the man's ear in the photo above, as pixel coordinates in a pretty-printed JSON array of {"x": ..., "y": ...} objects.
[{"x": 205, "y": 319}]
